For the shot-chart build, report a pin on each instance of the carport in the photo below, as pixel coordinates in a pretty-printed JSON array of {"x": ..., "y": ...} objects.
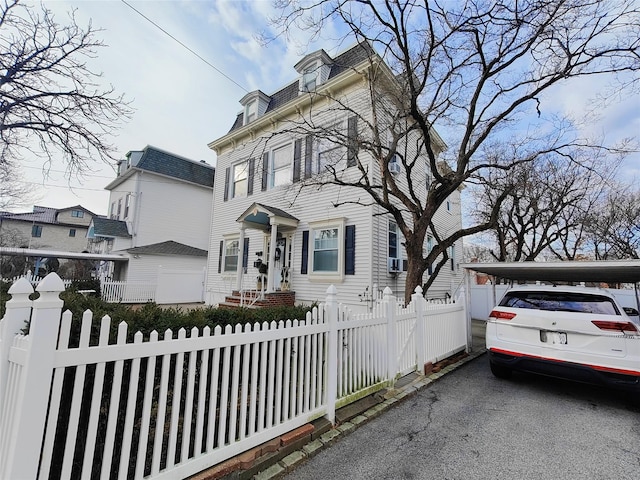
[{"x": 568, "y": 272}]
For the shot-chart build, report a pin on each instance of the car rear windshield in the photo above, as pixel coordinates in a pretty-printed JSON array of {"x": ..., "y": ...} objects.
[{"x": 561, "y": 301}]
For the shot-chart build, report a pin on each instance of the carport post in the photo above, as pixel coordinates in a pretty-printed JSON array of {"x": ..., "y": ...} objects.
[{"x": 467, "y": 307}]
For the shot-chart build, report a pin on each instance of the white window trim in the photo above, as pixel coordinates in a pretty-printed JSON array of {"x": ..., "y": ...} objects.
[
  {"x": 227, "y": 239},
  {"x": 271, "y": 173},
  {"x": 232, "y": 180},
  {"x": 324, "y": 277},
  {"x": 397, "y": 232},
  {"x": 324, "y": 145}
]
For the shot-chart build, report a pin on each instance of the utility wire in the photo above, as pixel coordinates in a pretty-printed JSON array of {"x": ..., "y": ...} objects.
[{"x": 182, "y": 44}]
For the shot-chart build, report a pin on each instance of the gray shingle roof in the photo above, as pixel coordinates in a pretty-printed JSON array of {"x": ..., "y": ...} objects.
[
  {"x": 106, "y": 227},
  {"x": 169, "y": 248},
  {"x": 341, "y": 63},
  {"x": 164, "y": 163},
  {"x": 46, "y": 215}
]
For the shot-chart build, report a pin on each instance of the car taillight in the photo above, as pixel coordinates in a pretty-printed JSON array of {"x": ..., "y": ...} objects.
[
  {"x": 615, "y": 326},
  {"x": 498, "y": 315}
]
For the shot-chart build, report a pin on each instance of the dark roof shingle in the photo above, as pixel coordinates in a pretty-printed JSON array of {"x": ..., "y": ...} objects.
[
  {"x": 106, "y": 227},
  {"x": 164, "y": 163},
  {"x": 169, "y": 248}
]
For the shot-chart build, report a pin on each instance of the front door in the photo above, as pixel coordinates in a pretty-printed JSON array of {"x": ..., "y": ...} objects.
[{"x": 282, "y": 261}]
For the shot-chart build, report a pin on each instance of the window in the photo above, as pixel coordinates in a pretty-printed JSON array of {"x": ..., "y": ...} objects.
[
  {"x": 36, "y": 231},
  {"x": 250, "y": 112},
  {"x": 127, "y": 205},
  {"x": 113, "y": 211},
  {"x": 231, "y": 251},
  {"x": 331, "y": 156},
  {"x": 393, "y": 240},
  {"x": 240, "y": 175},
  {"x": 310, "y": 78},
  {"x": 281, "y": 166},
  {"x": 452, "y": 255},
  {"x": 119, "y": 208},
  {"x": 72, "y": 232},
  {"x": 325, "y": 250},
  {"x": 77, "y": 213}
]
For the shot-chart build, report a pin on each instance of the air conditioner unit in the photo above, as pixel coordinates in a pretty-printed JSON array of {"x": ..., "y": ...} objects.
[
  {"x": 394, "y": 165},
  {"x": 394, "y": 265}
]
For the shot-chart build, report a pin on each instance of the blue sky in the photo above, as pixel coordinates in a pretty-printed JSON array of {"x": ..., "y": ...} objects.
[{"x": 181, "y": 103}]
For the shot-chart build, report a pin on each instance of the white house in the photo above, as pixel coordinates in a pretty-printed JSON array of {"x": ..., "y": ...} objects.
[
  {"x": 269, "y": 193},
  {"x": 159, "y": 216}
]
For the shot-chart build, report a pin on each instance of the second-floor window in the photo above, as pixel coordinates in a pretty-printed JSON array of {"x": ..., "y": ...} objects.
[
  {"x": 119, "y": 208},
  {"x": 72, "y": 232},
  {"x": 127, "y": 205},
  {"x": 239, "y": 176},
  {"x": 281, "y": 166},
  {"x": 36, "y": 231}
]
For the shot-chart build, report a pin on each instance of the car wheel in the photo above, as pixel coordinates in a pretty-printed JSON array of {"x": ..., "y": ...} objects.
[{"x": 500, "y": 371}]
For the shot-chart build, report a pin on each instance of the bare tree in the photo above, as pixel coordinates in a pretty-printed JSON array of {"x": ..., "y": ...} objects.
[
  {"x": 51, "y": 103},
  {"x": 613, "y": 225},
  {"x": 545, "y": 205},
  {"x": 478, "y": 70}
]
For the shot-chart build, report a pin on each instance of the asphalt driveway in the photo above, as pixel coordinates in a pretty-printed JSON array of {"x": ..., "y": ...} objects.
[{"x": 470, "y": 425}]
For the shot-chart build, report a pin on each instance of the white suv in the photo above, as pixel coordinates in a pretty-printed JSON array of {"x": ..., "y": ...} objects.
[{"x": 577, "y": 333}]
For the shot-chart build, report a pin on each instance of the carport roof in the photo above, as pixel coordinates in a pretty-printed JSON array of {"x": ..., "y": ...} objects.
[{"x": 614, "y": 271}]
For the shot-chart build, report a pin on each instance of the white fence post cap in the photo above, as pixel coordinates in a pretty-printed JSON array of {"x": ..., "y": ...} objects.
[
  {"x": 22, "y": 286},
  {"x": 51, "y": 283}
]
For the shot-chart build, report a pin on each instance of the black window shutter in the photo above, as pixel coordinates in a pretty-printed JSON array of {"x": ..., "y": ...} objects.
[
  {"x": 227, "y": 173},
  {"x": 350, "y": 250},
  {"x": 308, "y": 156},
  {"x": 405, "y": 264},
  {"x": 297, "y": 155},
  {"x": 245, "y": 254},
  {"x": 265, "y": 170},
  {"x": 352, "y": 145},
  {"x": 430, "y": 270},
  {"x": 252, "y": 173},
  {"x": 305, "y": 252},
  {"x": 220, "y": 257}
]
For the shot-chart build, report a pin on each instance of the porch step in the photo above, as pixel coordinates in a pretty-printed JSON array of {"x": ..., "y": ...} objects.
[{"x": 275, "y": 299}]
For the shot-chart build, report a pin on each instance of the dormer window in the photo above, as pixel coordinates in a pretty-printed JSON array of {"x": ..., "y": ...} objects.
[
  {"x": 250, "y": 112},
  {"x": 314, "y": 70},
  {"x": 310, "y": 79},
  {"x": 255, "y": 104}
]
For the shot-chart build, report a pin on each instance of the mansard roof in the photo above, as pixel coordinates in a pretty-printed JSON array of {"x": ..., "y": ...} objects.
[{"x": 342, "y": 63}]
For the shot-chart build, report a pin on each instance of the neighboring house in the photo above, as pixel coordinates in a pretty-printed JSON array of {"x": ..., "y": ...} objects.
[
  {"x": 159, "y": 216},
  {"x": 259, "y": 202},
  {"x": 47, "y": 228}
]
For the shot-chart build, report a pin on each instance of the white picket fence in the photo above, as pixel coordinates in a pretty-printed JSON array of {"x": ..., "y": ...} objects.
[
  {"x": 123, "y": 406},
  {"x": 127, "y": 292}
]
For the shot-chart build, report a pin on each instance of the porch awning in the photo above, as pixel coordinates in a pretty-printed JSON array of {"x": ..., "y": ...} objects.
[{"x": 262, "y": 217}]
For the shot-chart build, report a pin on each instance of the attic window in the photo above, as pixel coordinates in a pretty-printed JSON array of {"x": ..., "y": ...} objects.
[
  {"x": 310, "y": 78},
  {"x": 250, "y": 112}
]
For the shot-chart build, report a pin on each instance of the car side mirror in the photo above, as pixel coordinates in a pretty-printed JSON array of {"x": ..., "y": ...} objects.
[{"x": 632, "y": 312}]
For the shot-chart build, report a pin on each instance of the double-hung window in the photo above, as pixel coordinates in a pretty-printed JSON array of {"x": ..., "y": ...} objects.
[
  {"x": 325, "y": 249},
  {"x": 393, "y": 240},
  {"x": 281, "y": 165},
  {"x": 36, "y": 231},
  {"x": 231, "y": 253},
  {"x": 240, "y": 182},
  {"x": 77, "y": 213}
]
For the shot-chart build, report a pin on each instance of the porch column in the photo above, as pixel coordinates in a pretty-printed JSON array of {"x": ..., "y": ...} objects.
[
  {"x": 239, "y": 271},
  {"x": 272, "y": 258}
]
